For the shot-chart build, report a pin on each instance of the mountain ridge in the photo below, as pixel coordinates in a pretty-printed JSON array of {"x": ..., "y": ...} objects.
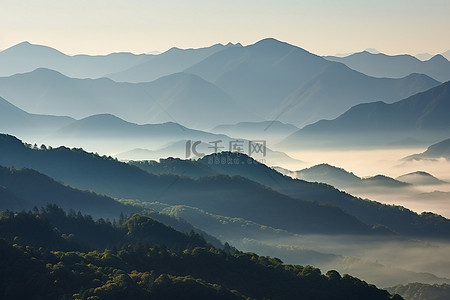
[
  {"x": 166, "y": 99},
  {"x": 422, "y": 116},
  {"x": 270, "y": 72},
  {"x": 396, "y": 66}
]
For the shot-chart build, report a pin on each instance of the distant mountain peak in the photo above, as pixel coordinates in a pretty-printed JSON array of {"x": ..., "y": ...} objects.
[
  {"x": 268, "y": 40},
  {"x": 26, "y": 48},
  {"x": 385, "y": 180},
  {"x": 372, "y": 51},
  {"x": 420, "y": 178},
  {"x": 272, "y": 42},
  {"x": 104, "y": 116},
  {"x": 438, "y": 58},
  {"x": 45, "y": 71},
  {"x": 24, "y": 43},
  {"x": 423, "y": 173},
  {"x": 230, "y": 44}
]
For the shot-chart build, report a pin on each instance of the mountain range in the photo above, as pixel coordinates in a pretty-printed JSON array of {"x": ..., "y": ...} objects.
[
  {"x": 127, "y": 67},
  {"x": 107, "y": 133},
  {"x": 396, "y": 66},
  {"x": 172, "y": 61},
  {"x": 422, "y": 116},
  {"x": 167, "y": 99},
  {"x": 343, "y": 179},
  {"x": 26, "y": 57},
  {"x": 287, "y": 83},
  {"x": 224, "y": 97},
  {"x": 16, "y": 121},
  {"x": 269, "y": 80}
]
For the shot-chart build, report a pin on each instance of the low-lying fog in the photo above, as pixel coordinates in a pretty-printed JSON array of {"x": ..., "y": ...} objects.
[
  {"x": 366, "y": 163},
  {"x": 381, "y": 262}
]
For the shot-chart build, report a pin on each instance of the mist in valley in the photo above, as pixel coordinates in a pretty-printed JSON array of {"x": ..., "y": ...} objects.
[
  {"x": 384, "y": 262},
  {"x": 389, "y": 162}
]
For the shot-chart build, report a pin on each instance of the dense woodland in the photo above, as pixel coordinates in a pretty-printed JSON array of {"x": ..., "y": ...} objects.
[{"x": 59, "y": 255}]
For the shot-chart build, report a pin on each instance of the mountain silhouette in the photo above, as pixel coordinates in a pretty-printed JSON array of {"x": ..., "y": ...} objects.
[
  {"x": 183, "y": 98},
  {"x": 396, "y": 66},
  {"x": 13, "y": 120},
  {"x": 269, "y": 80},
  {"x": 174, "y": 60},
  {"x": 383, "y": 182},
  {"x": 348, "y": 181},
  {"x": 420, "y": 178},
  {"x": 108, "y": 126},
  {"x": 283, "y": 82},
  {"x": 422, "y": 116},
  {"x": 26, "y": 57},
  {"x": 326, "y": 173}
]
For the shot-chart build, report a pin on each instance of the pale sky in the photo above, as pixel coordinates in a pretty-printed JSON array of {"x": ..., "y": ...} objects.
[{"x": 324, "y": 27}]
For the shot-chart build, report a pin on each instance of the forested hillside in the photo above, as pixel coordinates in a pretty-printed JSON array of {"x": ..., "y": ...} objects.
[{"x": 145, "y": 259}]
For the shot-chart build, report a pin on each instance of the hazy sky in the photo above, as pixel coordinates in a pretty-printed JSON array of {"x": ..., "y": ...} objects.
[{"x": 320, "y": 26}]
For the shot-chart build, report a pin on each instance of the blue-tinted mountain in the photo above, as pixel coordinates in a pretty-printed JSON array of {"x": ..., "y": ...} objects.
[
  {"x": 106, "y": 132},
  {"x": 282, "y": 82},
  {"x": 111, "y": 129},
  {"x": 123, "y": 66},
  {"x": 396, "y": 66},
  {"x": 174, "y": 60},
  {"x": 183, "y": 98},
  {"x": 26, "y": 57},
  {"x": 13, "y": 120},
  {"x": 220, "y": 194},
  {"x": 437, "y": 150},
  {"x": 422, "y": 116}
]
